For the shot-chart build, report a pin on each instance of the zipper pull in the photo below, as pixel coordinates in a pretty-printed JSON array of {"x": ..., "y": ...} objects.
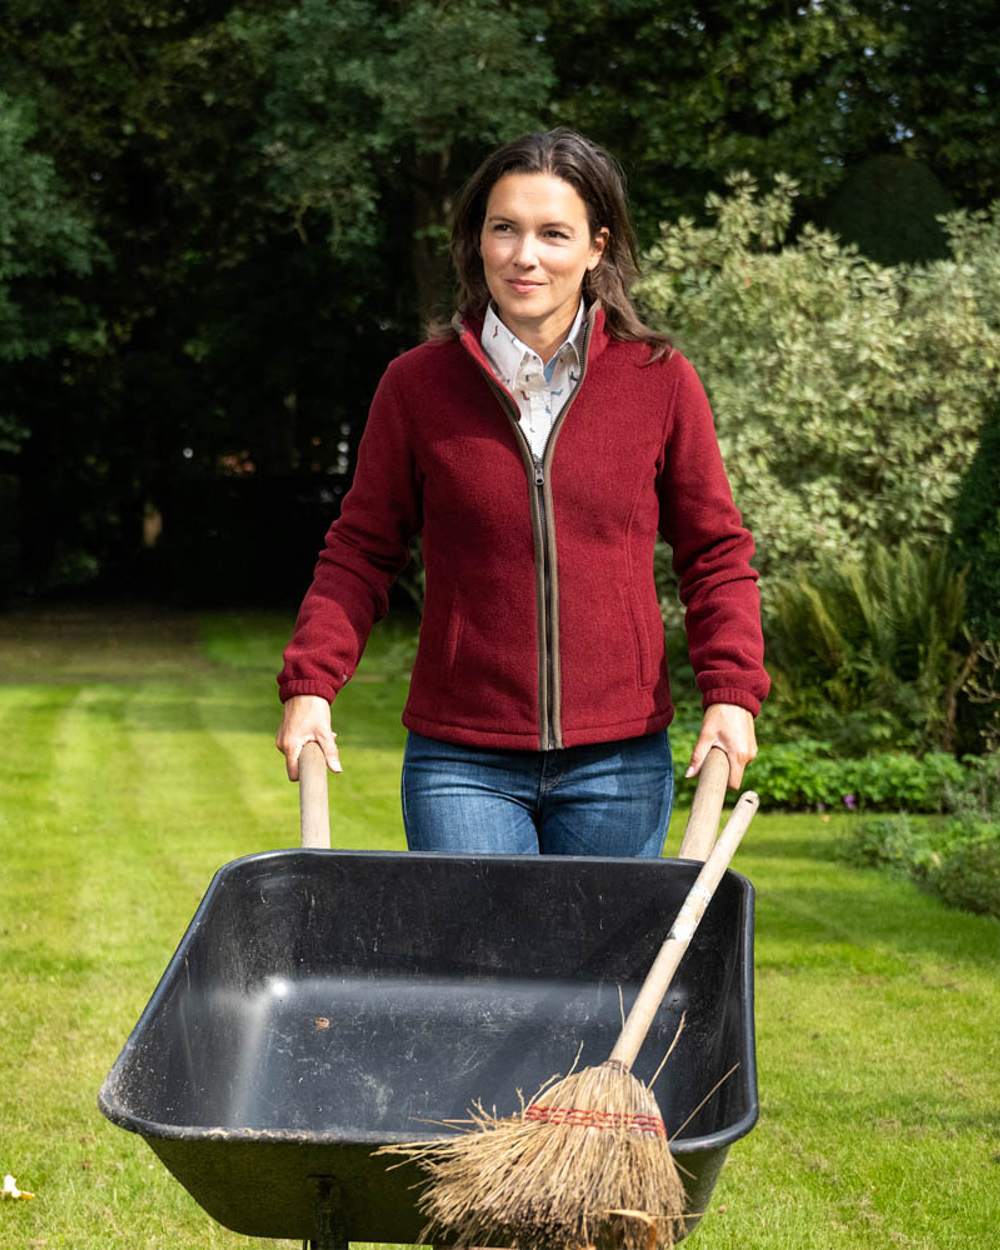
[{"x": 539, "y": 473}]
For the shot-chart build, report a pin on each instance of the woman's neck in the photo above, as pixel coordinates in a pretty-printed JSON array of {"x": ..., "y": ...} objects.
[{"x": 545, "y": 335}]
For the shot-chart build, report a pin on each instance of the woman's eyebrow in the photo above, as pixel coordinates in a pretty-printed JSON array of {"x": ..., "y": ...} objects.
[{"x": 547, "y": 225}]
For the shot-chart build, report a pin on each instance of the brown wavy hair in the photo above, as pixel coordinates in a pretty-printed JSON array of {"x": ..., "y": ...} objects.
[{"x": 600, "y": 182}]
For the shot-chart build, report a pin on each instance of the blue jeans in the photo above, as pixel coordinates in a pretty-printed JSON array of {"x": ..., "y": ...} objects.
[{"x": 611, "y": 798}]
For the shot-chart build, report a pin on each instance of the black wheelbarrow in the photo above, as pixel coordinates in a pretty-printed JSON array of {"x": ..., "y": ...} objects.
[{"x": 324, "y": 1003}]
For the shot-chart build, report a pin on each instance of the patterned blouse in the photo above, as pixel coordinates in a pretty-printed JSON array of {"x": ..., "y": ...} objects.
[{"x": 541, "y": 390}]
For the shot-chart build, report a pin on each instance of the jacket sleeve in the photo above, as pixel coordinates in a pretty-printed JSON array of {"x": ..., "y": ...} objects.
[
  {"x": 365, "y": 550},
  {"x": 711, "y": 552}
]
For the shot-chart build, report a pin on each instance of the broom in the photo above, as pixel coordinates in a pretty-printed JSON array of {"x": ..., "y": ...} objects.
[{"x": 587, "y": 1162}]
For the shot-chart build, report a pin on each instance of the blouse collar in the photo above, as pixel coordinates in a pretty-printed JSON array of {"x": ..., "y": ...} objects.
[{"x": 507, "y": 352}]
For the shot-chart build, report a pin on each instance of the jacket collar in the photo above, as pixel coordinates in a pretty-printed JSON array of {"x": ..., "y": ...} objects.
[{"x": 469, "y": 330}]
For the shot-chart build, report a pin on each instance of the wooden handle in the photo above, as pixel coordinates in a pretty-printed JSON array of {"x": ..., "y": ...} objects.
[
  {"x": 314, "y": 805},
  {"x": 671, "y": 953},
  {"x": 709, "y": 799}
]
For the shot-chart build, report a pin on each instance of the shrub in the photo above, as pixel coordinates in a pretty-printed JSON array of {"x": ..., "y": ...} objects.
[
  {"x": 848, "y": 395},
  {"x": 958, "y": 860},
  {"x": 976, "y": 794},
  {"x": 966, "y": 873},
  {"x": 887, "y": 842},
  {"x": 804, "y": 775},
  {"x": 870, "y": 651}
]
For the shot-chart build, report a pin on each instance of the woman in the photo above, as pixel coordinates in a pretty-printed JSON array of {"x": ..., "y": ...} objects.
[{"x": 538, "y": 445}]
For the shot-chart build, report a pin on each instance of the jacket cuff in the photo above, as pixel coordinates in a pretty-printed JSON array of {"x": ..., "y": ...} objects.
[
  {"x": 322, "y": 688},
  {"x": 731, "y": 694}
]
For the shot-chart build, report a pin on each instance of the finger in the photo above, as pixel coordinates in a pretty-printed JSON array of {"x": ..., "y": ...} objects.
[
  {"x": 326, "y": 743},
  {"x": 293, "y": 749},
  {"x": 329, "y": 745},
  {"x": 284, "y": 748},
  {"x": 701, "y": 749}
]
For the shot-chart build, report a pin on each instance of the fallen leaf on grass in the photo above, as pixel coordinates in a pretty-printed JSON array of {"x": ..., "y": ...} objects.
[{"x": 10, "y": 1189}]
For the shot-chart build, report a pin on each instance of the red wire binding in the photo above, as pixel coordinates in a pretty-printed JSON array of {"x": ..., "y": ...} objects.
[{"x": 648, "y": 1125}]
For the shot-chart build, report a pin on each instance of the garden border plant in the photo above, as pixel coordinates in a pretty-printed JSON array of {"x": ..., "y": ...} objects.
[{"x": 957, "y": 858}]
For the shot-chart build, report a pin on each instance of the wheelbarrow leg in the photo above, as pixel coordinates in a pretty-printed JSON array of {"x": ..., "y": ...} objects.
[{"x": 331, "y": 1232}]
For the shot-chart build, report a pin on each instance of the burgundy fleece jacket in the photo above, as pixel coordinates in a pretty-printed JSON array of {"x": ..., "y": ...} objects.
[{"x": 541, "y": 625}]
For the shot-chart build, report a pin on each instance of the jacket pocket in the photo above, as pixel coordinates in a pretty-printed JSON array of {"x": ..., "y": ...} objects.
[
  {"x": 640, "y": 639},
  {"x": 451, "y": 641}
]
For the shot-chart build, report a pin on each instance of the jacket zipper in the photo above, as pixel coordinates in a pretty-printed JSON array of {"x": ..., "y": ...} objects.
[
  {"x": 550, "y": 720},
  {"x": 549, "y": 730},
  {"x": 552, "y": 730},
  {"x": 542, "y": 571}
]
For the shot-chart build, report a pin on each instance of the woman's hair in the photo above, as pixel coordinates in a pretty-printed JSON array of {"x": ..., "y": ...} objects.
[{"x": 599, "y": 181}]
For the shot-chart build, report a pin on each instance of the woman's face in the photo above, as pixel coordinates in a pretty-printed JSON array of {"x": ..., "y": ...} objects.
[{"x": 536, "y": 247}]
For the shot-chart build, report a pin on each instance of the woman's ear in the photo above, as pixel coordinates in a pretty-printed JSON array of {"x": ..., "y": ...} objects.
[{"x": 598, "y": 244}]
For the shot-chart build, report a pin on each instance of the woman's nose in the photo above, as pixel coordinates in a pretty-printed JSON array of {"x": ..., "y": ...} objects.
[{"x": 526, "y": 254}]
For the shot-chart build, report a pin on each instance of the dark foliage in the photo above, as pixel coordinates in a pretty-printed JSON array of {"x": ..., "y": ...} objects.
[{"x": 976, "y": 533}]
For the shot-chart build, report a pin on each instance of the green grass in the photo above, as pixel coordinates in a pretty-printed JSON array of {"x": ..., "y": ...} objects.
[{"x": 139, "y": 756}]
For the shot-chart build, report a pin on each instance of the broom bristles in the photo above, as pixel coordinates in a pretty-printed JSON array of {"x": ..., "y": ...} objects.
[{"x": 587, "y": 1164}]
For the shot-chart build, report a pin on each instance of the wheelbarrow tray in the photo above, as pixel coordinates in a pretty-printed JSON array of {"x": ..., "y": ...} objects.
[{"x": 324, "y": 1003}]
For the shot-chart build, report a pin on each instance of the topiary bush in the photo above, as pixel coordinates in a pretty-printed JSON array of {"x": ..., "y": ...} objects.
[
  {"x": 976, "y": 534},
  {"x": 890, "y": 206}
]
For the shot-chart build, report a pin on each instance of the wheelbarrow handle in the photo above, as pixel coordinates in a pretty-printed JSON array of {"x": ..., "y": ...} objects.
[
  {"x": 314, "y": 803},
  {"x": 706, "y": 807},
  {"x": 657, "y": 982}
]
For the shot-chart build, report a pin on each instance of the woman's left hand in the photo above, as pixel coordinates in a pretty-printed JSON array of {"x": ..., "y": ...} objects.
[{"x": 731, "y": 727}]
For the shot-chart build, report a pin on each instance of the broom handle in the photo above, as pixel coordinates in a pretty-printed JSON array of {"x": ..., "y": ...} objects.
[
  {"x": 658, "y": 979},
  {"x": 314, "y": 804},
  {"x": 706, "y": 807}
]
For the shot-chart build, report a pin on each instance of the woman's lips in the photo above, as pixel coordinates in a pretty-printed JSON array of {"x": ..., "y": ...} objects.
[{"x": 523, "y": 288}]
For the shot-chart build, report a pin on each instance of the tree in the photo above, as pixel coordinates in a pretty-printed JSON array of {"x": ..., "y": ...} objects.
[
  {"x": 43, "y": 236},
  {"x": 368, "y": 104},
  {"x": 224, "y": 334},
  {"x": 687, "y": 92},
  {"x": 931, "y": 84}
]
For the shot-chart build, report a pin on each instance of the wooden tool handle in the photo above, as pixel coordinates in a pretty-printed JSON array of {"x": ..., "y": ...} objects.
[
  {"x": 314, "y": 805},
  {"x": 671, "y": 953},
  {"x": 709, "y": 799}
]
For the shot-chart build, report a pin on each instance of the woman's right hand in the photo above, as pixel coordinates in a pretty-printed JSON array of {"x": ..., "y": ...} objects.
[{"x": 306, "y": 718}]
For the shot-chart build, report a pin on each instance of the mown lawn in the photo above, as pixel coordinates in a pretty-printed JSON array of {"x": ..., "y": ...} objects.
[{"x": 138, "y": 756}]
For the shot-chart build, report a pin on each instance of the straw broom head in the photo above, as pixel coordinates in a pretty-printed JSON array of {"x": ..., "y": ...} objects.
[{"x": 586, "y": 1164}]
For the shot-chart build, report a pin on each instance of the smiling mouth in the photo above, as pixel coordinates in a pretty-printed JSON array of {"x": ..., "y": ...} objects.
[{"x": 523, "y": 282}]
